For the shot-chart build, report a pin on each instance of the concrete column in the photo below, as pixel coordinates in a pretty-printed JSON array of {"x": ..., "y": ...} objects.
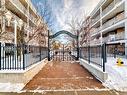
[{"x": 126, "y": 28}]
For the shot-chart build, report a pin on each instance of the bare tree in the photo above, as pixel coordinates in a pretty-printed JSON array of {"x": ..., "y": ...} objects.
[
  {"x": 40, "y": 31},
  {"x": 79, "y": 26},
  {"x": 86, "y": 31},
  {"x": 46, "y": 12}
]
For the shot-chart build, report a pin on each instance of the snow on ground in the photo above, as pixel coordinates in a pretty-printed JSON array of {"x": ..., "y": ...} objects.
[
  {"x": 117, "y": 75},
  {"x": 10, "y": 87}
]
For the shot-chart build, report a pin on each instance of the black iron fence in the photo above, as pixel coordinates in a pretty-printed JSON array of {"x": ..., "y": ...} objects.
[
  {"x": 20, "y": 57},
  {"x": 99, "y": 55},
  {"x": 95, "y": 55}
]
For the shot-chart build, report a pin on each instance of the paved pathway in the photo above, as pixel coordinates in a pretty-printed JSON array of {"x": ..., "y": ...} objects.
[{"x": 63, "y": 76}]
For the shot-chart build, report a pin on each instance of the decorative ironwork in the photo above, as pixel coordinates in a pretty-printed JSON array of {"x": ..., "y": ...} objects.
[
  {"x": 63, "y": 32},
  {"x": 76, "y": 37}
]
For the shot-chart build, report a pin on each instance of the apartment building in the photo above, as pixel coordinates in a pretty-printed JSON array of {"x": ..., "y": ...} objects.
[
  {"x": 15, "y": 15},
  {"x": 109, "y": 23}
]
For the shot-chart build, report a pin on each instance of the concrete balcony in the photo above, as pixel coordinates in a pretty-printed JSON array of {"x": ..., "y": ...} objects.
[
  {"x": 117, "y": 1},
  {"x": 18, "y": 5},
  {"x": 95, "y": 19},
  {"x": 95, "y": 31},
  {"x": 32, "y": 18},
  {"x": 108, "y": 23},
  {"x": 114, "y": 20},
  {"x": 110, "y": 6},
  {"x": 107, "y": 9},
  {"x": 95, "y": 42},
  {"x": 120, "y": 36},
  {"x": 31, "y": 6},
  {"x": 116, "y": 37}
]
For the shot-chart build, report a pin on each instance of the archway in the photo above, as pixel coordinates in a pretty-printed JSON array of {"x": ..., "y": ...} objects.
[{"x": 64, "y": 53}]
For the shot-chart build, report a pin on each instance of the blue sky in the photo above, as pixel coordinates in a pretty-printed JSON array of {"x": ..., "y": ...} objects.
[{"x": 64, "y": 10}]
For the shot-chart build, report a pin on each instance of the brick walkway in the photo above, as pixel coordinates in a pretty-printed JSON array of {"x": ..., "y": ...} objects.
[{"x": 63, "y": 75}]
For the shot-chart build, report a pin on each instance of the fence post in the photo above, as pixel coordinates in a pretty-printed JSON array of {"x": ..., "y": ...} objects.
[
  {"x": 0, "y": 55},
  {"x": 63, "y": 52},
  {"x": 23, "y": 53},
  {"x": 115, "y": 51},
  {"x": 48, "y": 46},
  {"x": 89, "y": 54},
  {"x": 104, "y": 57},
  {"x": 40, "y": 52}
]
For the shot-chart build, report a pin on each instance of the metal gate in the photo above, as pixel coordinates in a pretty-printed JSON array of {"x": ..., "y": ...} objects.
[{"x": 63, "y": 55}]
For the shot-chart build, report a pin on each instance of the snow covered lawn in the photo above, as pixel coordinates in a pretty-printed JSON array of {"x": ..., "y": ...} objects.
[{"x": 117, "y": 75}]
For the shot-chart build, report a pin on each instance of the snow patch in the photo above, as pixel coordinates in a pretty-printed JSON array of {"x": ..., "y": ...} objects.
[
  {"x": 117, "y": 75},
  {"x": 11, "y": 87}
]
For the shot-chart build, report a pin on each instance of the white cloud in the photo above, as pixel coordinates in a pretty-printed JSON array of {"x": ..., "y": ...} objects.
[
  {"x": 73, "y": 8},
  {"x": 64, "y": 10}
]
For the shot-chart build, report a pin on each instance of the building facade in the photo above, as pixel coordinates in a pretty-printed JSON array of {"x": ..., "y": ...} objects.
[
  {"x": 109, "y": 23},
  {"x": 17, "y": 16}
]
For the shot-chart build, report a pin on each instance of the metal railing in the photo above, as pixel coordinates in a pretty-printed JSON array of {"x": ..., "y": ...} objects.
[
  {"x": 21, "y": 56},
  {"x": 94, "y": 55},
  {"x": 100, "y": 55}
]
